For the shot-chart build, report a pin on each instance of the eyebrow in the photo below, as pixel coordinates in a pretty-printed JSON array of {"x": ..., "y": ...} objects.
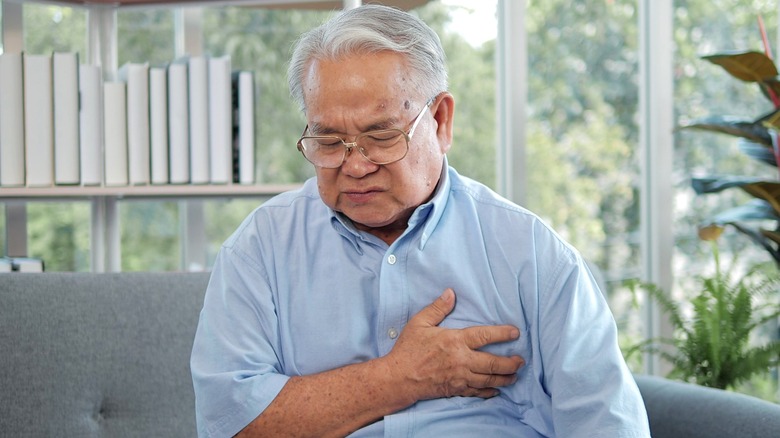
[{"x": 318, "y": 129}]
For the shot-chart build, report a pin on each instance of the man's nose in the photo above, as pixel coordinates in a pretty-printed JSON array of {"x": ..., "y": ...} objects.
[{"x": 355, "y": 164}]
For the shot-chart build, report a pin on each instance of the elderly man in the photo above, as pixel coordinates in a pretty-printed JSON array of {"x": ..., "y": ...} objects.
[{"x": 390, "y": 296}]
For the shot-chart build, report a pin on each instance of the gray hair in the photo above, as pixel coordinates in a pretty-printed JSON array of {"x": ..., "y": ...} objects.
[{"x": 371, "y": 29}]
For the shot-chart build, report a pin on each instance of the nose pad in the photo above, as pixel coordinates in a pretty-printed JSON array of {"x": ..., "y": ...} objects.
[
  {"x": 358, "y": 165},
  {"x": 354, "y": 147}
]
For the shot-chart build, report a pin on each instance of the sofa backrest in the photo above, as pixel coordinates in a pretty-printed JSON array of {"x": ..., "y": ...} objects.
[
  {"x": 677, "y": 409},
  {"x": 98, "y": 355}
]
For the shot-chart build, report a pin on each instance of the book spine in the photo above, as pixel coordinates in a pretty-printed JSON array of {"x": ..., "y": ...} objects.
[
  {"x": 115, "y": 128},
  {"x": 158, "y": 124},
  {"x": 11, "y": 120},
  {"x": 178, "y": 123},
  {"x": 199, "y": 120},
  {"x": 220, "y": 120},
  {"x": 38, "y": 120},
  {"x": 137, "y": 78},
  {"x": 246, "y": 127},
  {"x": 91, "y": 124},
  {"x": 66, "y": 118}
]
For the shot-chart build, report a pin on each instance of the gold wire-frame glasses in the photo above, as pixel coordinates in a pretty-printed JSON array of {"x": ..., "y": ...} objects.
[{"x": 380, "y": 147}]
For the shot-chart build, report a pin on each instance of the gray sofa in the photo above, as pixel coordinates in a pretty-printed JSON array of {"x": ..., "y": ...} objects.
[
  {"x": 107, "y": 355},
  {"x": 98, "y": 355}
]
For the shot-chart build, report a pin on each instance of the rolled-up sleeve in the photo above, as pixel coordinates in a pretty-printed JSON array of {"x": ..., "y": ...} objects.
[
  {"x": 235, "y": 366},
  {"x": 593, "y": 392}
]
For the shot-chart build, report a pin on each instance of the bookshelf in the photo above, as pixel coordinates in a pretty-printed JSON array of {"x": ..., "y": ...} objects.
[
  {"x": 181, "y": 191},
  {"x": 105, "y": 251}
]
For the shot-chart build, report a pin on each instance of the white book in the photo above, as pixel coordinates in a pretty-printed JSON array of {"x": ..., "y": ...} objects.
[
  {"x": 26, "y": 264},
  {"x": 38, "y": 120},
  {"x": 66, "y": 118},
  {"x": 115, "y": 131},
  {"x": 246, "y": 128},
  {"x": 136, "y": 76},
  {"x": 11, "y": 120},
  {"x": 91, "y": 124},
  {"x": 220, "y": 120},
  {"x": 178, "y": 123},
  {"x": 158, "y": 124},
  {"x": 199, "y": 120}
]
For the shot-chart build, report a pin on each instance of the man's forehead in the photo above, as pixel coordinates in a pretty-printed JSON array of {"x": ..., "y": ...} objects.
[{"x": 376, "y": 115}]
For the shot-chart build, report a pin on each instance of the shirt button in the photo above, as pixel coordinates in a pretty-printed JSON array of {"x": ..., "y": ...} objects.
[
  {"x": 391, "y": 259},
  {"x": 393, "y": 333}
]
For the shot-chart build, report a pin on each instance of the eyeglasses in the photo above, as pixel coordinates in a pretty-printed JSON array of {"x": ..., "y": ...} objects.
[{"x": 379, "y": 147}]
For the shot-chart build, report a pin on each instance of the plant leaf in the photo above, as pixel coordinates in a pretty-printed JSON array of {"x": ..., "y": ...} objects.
[
  {"x": 767, "y": 84},
  {"x": 774, "y": 236},
  {"x": 750, "y": 129},
  {"x": 758, "y": 151},
  {"x": 751, "y": 66},
  {"x": 715, "y": 184},
  {"x": 755, "y": 209},
  {"x": 766, "y": 190}
]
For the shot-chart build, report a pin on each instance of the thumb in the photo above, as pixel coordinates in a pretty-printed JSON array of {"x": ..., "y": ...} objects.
[{"x": 434, "y": 313}]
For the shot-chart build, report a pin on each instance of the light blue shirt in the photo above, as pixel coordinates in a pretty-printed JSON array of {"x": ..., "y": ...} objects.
[{"x": 297, "y": 289}]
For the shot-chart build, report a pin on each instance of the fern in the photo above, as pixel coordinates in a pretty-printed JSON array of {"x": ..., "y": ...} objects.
[{"x": 712, "y": 347}]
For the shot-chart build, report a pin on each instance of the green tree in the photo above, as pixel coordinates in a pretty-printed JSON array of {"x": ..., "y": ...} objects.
[{"x": 582, "y": 105}]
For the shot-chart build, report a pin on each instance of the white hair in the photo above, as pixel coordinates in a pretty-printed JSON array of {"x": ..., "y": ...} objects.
[{"x": 372, "y": 29}]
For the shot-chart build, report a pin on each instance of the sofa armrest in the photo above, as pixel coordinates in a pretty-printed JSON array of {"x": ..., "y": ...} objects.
[{"x": 677, "y": 409}]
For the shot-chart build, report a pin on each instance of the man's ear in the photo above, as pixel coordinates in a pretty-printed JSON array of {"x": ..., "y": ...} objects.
[{"x": 443, "y": 111}]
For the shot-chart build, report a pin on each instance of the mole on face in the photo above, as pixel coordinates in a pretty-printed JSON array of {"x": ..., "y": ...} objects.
[{"x": 407, "y": 105}]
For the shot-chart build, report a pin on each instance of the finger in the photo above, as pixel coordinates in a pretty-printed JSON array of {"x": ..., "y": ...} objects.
[
  {"x": 492, "y": 380},
  {"x": 434, "y": 313},
  {"x": 490, "y": 364},
  {"x": 479, "y": 336},
  {"x": 481, "y": 392}
]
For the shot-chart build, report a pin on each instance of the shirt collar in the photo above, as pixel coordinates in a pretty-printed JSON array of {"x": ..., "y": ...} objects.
[
  {"x": 426, "y": 215},
  {"x": 429, "y": 214}
]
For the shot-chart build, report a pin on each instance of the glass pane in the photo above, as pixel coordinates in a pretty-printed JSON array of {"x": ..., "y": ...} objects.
[
  {"x": 583, "y": 138},
  {"x": 49, "y": 28},
  {"x": 468, "y": 34},
  {"x": 705, "y": 89},
  {"x": 145, "y": 35},
  {"x": 260, "y": 40},
  {"x": 58, "y": 234},
  {"x": 222, "y": 219},
  {"x": 150, "y": 235}
]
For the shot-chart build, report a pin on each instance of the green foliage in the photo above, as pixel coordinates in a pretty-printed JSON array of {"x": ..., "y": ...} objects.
[
  {"x": 582, "y": 133},
  {"x": 712, "y": 343},
  {"x": 140, "y": 33},
  {"x": 65, "y": 29},
  {"x": 756, "y": 139}
]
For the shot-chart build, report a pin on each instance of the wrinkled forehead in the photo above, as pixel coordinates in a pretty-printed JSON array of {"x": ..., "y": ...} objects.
[{"x": 380, "y": 79}]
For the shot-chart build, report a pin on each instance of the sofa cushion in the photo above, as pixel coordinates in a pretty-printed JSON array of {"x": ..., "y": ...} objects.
[
  {"x": 676, "y": 409},
  {"x": 91, "y": 355}
]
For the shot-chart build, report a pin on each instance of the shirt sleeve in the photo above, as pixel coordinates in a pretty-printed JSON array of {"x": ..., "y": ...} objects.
[
  {"x": 235, "y": 366},
  {"x": 592, "y": 390}
]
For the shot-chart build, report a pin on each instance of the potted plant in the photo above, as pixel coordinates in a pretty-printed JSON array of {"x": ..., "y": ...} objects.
[
  {"x": 758, "y": 139},
  {"x": 712, "y": 339}
]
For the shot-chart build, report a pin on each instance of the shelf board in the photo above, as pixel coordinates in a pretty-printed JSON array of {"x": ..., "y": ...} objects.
[
  {"x": 149, "y": 191},
  {"x": 286, "y": 4}
]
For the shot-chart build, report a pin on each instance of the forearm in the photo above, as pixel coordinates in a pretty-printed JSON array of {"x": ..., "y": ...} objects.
[{"x": 332, "y": 403}]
